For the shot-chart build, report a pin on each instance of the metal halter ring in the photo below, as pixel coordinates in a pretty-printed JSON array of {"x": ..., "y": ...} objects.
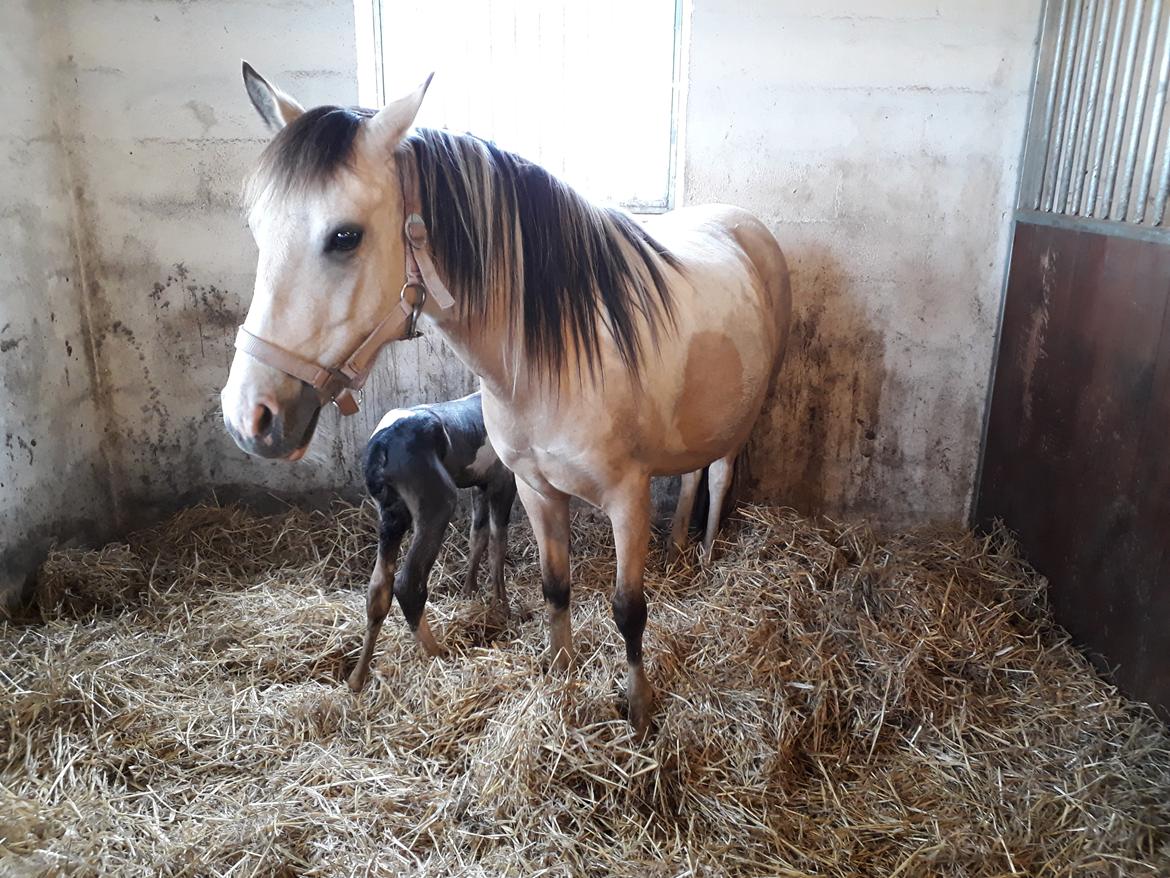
[
  {"x": 356, "y": 394},
  {"x": 415, "y": 307}
]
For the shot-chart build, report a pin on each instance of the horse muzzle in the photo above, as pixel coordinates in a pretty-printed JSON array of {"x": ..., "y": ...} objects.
[{"x": 274, "y": 429}]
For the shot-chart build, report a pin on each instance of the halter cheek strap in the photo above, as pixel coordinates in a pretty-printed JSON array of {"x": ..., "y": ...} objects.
[{"x": 342, "y": 384}]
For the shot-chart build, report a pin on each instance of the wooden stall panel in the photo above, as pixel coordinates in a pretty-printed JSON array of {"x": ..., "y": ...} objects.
[{"x": 1076, "y": 460}]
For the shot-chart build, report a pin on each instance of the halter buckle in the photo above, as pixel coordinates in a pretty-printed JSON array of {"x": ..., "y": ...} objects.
[
  {"x": 416, "y": 230},
  {"x": 348, "y": 400},
  {"x": 415, "y": 307}
]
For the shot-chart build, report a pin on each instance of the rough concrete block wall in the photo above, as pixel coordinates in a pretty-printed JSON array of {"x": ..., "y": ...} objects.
[
  {"x": 123, "y": 254},
  {"x": 879, "y": 139},
  {"x": 54, "y": 476},
  {"x": 168, "y": 136}
]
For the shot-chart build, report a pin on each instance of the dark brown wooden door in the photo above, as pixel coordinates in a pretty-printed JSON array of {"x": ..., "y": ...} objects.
[{"x": 1077, "y": 457}]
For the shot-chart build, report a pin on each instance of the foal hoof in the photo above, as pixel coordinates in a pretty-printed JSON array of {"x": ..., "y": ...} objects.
[
  {"x": 357, "y": 681},
  {"x": 562, "y": 662},
  {"x": 430, "y": 649},
  {"x": 640, "y": 720}
]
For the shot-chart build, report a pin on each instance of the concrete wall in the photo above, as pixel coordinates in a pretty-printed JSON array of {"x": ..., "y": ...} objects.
[
  {"x": 879, "y": 139},
  {"x": 54, "y": 457},
  {"x": 169, "y": 135},
  {"x": 123, "y": 254}
]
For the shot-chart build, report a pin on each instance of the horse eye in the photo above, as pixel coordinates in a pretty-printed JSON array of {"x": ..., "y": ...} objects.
[{"x": 344, "y": 240}]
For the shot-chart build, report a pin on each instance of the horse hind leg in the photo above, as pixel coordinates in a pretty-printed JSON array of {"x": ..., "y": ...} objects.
[
  {"x": 394, "y": 520},
  {"x": 719, "y": 478},
  {"x": 500, "y": 511},
  {"x": 680, "y": 527},
  {"x": 477, "y": 539}
]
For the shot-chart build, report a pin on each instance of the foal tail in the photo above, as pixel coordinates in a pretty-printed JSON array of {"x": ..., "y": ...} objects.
[{"x": 396, "y": 451}]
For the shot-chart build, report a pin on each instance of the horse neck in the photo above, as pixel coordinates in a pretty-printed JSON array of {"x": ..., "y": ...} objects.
[{"x": 490, "y": 345}]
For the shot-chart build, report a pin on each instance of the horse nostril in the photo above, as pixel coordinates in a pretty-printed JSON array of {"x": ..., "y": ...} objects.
[{"x": 261, "y": 419}]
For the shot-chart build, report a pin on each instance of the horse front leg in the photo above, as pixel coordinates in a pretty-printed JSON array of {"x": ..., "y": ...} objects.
[
  {"x": 549, "y": 516},
  {"x": 629, "y": 514},
  {"x": 394, "y": 519}
]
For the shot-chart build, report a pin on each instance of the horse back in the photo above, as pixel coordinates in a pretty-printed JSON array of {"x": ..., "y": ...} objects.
[{"x": 733, "y": 306}]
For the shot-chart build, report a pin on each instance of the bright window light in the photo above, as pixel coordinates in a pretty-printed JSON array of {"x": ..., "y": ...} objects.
[{"x": 588, "y": 90}]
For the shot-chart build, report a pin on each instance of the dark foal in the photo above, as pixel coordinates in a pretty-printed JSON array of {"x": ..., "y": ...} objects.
[{"x": 414, "y": 464}]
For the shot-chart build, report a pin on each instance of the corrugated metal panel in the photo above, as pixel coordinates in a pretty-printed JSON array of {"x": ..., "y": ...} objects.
[{"x": 1097, "y": 141}]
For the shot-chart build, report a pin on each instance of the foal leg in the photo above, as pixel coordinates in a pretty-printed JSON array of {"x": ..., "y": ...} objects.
[
  {"x": 718, "y": 481},
  {"x": 394, "y": 520},
  {"x": 682, "y": 515},
  {"x": 549, "y": 515},
  {"x": 629, "y": 513},
  {"x": 499, "y": 504},
  {"x": 432, "y": 508},
  {"x": 477, "y": 540}
]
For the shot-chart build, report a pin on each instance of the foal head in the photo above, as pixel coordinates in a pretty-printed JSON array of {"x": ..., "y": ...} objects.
[{"x": 325, "y": 209}]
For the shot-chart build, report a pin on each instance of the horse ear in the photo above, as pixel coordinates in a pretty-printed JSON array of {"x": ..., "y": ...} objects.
[
  {"x": 275, "y": 107},
  {"x": 390, "y": 124}
]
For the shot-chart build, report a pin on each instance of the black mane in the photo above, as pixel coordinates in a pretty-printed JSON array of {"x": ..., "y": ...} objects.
[{"x": 499, "y": 224}]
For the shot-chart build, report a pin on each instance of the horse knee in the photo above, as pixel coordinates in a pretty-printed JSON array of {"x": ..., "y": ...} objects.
[
  {"x": 629, "y": 613},
  {"x": 378, "y": 600}
]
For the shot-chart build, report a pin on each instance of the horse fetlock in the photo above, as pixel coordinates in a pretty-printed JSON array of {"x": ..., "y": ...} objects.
[
  {"x": 560, "y": 639},
  {"x": 426, "y": 640},
  {"x": 707, "y": 555},
  {"x": 629, "y": 613},
  {"x": 500, "y": 598},
  {"x": 470, "y": 583},
  {"x": 357, "y": 678},
  {"x": 640, "y": 695}
]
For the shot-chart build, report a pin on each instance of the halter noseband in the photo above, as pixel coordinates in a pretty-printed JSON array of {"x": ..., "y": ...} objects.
[{"x": 342, "y": 384}]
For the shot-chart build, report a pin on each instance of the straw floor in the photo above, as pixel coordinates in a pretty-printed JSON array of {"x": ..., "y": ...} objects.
[{"x": 832, "y": 703}]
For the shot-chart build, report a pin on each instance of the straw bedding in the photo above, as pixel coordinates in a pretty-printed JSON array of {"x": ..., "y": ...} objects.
[{"x": 833, "y": 703}]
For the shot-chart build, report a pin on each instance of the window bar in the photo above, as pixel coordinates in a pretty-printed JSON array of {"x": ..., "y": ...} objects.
[
  {"x": 1139, "y": 117},
  {"x": 1080, "y": 163},
  {"x": 1143, "y": 199},
  {"x": 1050, "y": 169},
  {"x": 1068, "y": 153},
  {"x": 1135, "y": 29},
  {"x": 1090, "y": 205},
  {"x": 1050, "y": 107}
]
